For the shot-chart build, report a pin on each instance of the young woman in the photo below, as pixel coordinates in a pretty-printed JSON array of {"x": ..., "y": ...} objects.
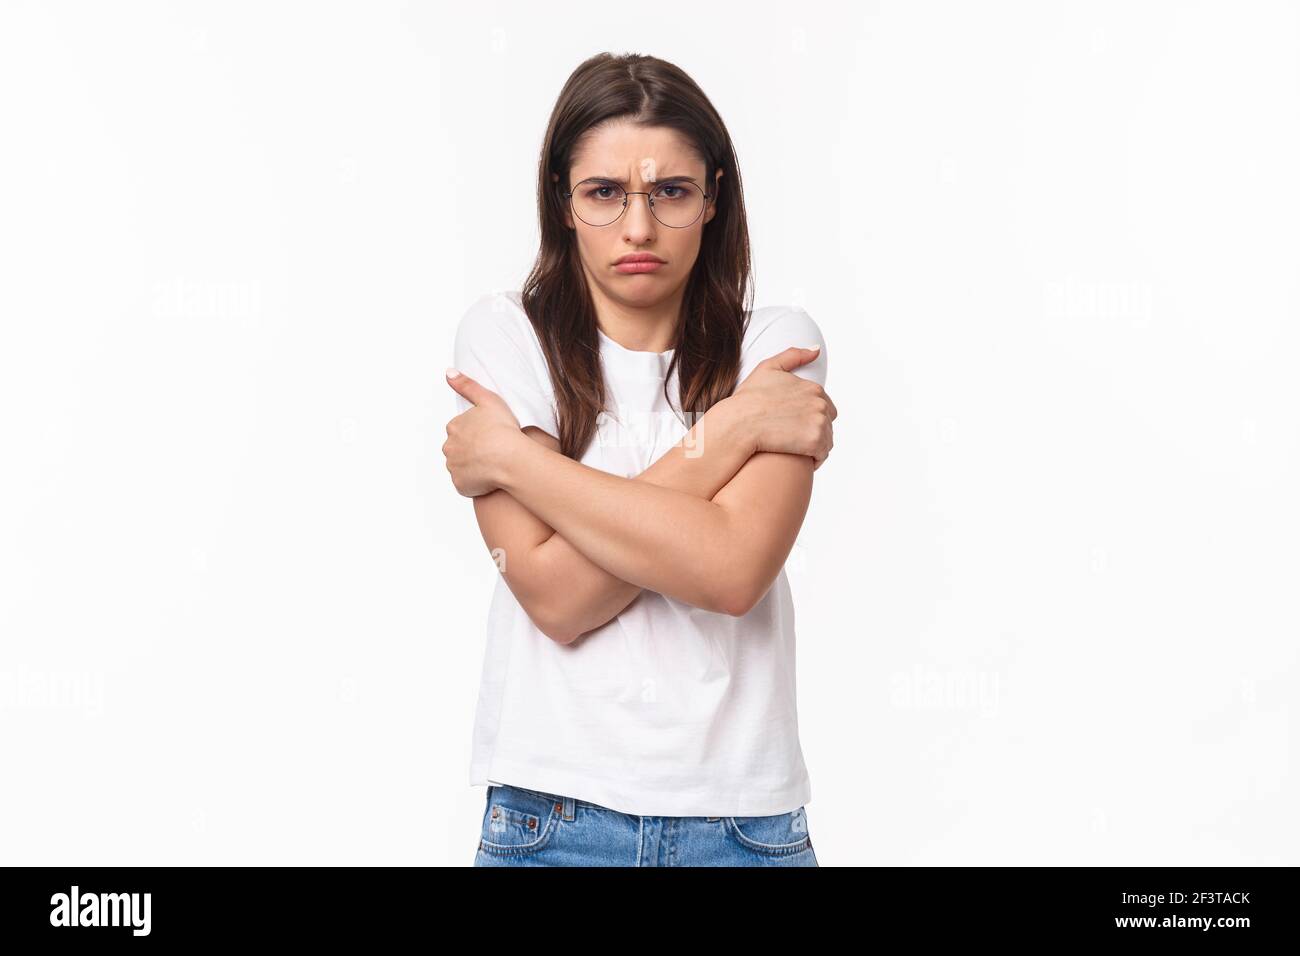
[{"x": 640, "y": 447}]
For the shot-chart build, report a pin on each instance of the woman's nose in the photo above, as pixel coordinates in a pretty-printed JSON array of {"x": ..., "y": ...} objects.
[{"x": 638, "y": 220}]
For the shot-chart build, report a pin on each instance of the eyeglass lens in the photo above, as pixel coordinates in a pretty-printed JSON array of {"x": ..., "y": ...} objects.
[{"x": 675, "y": 204}]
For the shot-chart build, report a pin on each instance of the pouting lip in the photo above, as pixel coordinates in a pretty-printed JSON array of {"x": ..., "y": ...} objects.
[{"x": 638, "y": 257}]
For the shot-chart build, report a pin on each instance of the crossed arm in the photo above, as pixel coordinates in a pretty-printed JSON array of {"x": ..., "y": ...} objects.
[{"x": 710, "y": 523}]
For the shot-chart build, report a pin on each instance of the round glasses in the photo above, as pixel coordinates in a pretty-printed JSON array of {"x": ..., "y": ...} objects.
[{"x": 599, "y": 202}]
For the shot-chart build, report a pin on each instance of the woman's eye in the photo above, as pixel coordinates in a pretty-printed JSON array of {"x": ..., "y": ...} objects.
[
  {"x": 671, "y": 192},
  {"x": 600, "y": 192}
]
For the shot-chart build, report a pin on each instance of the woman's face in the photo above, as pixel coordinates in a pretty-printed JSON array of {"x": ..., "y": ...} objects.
[{"x": 639, "y": 159}]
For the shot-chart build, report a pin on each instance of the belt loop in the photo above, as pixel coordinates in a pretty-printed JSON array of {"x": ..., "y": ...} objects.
[{"x": 569, "y": 808}]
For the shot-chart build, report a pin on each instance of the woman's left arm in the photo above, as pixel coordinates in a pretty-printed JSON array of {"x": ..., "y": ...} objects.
[{"x": 720, "y": 555}]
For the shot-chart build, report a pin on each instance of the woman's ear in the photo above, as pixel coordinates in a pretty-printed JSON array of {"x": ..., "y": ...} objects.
[
  {"x": 568, "y": 220},
  {"x": 713, "y": 201}
]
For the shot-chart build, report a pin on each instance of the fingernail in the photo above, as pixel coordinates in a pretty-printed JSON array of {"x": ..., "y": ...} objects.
[
  {"x": 812, "y": 348},
  {"x": 453, "y": 373}
]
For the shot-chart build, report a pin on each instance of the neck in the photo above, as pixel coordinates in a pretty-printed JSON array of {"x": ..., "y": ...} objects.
[{"x": 650, "y": 328}]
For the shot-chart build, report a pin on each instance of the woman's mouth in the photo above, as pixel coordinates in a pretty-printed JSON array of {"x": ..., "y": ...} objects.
[{"x": 639, "y": 265}]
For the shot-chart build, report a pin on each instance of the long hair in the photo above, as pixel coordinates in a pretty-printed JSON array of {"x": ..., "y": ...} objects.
[{"x": 646, "y": 91}]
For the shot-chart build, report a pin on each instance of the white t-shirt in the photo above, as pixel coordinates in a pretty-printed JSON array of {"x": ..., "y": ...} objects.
[{"x": 667, "y": 709}]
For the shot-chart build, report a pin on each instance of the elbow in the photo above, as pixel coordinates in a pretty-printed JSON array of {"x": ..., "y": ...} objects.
[
  {"x": 546, "y": 612},
  {"x": 558, "y": 631},
  {"x": 745, "y": 589},
  {"x": 555, "y": 626},
  {"x": 560, "y": 636},
  {"x": 738, "y": 598},
  {"x": 738, "y": 608}
]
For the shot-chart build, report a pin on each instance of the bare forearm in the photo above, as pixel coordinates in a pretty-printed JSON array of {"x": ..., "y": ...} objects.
[
  {"x": 641, "y": 531},
  {"x": 708, "y": 456}
]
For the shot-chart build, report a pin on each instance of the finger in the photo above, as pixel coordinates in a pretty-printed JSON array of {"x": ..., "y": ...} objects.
[
  {"x": 465, "y": 386},
  {"x": 791, "y": 358}
]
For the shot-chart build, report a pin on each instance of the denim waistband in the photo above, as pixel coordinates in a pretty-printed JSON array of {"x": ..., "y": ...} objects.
[{"x": 566, "y": 803}]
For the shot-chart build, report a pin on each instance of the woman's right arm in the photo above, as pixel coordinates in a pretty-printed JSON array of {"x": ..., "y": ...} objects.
[{"x": 564, "y": 592}]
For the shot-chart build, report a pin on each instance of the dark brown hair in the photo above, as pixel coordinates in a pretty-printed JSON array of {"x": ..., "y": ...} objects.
[{"x": 646, "y": 91}]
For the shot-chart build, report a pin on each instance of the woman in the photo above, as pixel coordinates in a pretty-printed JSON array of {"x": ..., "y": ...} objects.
[{"x": 637, "y": 705}]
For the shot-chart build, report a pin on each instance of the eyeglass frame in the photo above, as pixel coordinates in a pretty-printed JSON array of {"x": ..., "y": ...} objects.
[{"x": 648, "y": 198}]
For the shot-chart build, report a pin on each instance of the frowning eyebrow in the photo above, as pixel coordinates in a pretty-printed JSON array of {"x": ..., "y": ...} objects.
[{"x": 623, "y": 182}]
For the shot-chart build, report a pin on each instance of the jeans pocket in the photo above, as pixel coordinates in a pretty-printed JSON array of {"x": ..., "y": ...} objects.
[
  {"x": 777, "y": 835},
  {"x": 517, "y": 822}
]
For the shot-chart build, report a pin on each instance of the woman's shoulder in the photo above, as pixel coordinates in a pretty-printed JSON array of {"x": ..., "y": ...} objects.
[
  {"x": 774, "y": 328},
  {"x": 495, "y": 346},
  {"x": 781, "y": 326},
  {"x": 499, "y": 307},
  {"x": 497, "y": 315},
  {"x": 766, "y": 318}
]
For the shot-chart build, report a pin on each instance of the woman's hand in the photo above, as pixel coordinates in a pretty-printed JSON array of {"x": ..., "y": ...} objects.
[
  {"x": 478, "y": 439},
  {"x": 786, "y": 413}
]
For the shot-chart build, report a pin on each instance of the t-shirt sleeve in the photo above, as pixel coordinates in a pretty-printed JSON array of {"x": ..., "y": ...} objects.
[
  {"x": 778, "y": 331},
  {"x": 497, "y": 347}
]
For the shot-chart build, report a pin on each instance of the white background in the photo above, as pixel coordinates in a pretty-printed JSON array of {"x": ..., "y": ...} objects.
[{"x": 1046, "y": 588}]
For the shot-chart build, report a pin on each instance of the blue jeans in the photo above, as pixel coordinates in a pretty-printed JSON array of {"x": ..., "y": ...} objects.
[{"x": 531, "y": 828}]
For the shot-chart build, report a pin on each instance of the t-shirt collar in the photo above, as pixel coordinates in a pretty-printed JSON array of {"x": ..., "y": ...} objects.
[{"x": 644, "y": 363}]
